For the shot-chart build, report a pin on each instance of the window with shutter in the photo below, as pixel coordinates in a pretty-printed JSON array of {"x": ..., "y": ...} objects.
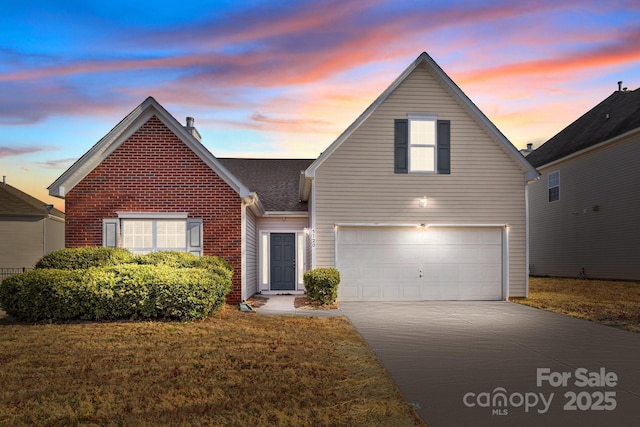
[
  {"x": 422, "y": 145},
  {"x": 142, "y": 234},
  {"x": 110, "y": 233}
]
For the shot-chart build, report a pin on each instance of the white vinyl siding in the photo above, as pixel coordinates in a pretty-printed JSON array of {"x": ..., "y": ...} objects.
[
  {"x": 251, "y": 250},
  {"x": 24, "y": 240},
  {"x": 357, "y": 183}
]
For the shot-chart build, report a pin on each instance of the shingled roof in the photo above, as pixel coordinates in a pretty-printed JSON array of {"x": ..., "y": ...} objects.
[
  {"x": 616, "y": 115},
  {"x": 275, "y": 181},
  {"x": 14, "y": 202}
]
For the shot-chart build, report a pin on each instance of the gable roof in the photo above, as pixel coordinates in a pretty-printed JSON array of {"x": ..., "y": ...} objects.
[
  {"x": 123, "y": 130},
  {"x": 275, "y": 180},
  {"x": 617, "y": 115},
  {"x": 14, "y": 202},
  {"x": 456, "y": 93}
]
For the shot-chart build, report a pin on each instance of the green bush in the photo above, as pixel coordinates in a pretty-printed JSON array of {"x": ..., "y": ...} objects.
[
  {"x": 45, "y": 294},
  {"x": 322, "y": 284},
  {"x": 154, "y": 288},
  {"x": 182, "y": 260},
  {"x": 86, "y": 257}
]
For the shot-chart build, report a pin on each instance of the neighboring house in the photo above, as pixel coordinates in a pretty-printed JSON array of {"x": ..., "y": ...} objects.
[
  {"x": 584, "y": 209},
  {"x": 420, "y": 198},
  {"x": 29, "y": 228}
]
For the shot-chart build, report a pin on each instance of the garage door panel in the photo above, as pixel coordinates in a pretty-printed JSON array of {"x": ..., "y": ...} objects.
[{"x": 410, "y": 264}]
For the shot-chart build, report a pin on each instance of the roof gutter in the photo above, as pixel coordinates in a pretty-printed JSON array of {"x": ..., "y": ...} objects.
[{"x": 253, "y": 202}]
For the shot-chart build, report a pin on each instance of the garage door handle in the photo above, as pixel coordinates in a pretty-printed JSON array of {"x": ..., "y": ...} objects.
[{"x": 421, "y": 274}]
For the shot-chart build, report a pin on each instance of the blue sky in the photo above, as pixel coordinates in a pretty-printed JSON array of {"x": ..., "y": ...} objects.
[{"x": 284, "y": 79}]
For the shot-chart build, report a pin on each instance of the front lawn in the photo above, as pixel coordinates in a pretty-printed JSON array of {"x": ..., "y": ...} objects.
[
  {"x": 611, "y": 303},
  {"x": 236, "y": 369}
]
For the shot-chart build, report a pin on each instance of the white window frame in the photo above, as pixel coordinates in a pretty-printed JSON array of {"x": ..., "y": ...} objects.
[
  {"x": 114, "y": 231},
  {"x": 154, "y": 235},
  {"x": 411, "y": 144},
  {"x": 556, "y": 178}
]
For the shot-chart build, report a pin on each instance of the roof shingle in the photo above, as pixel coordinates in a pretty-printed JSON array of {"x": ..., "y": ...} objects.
[
  {"x": 616, "y": 115},
  {"x": 14, "y": 202},
  {"x": 275, "y": 180}
]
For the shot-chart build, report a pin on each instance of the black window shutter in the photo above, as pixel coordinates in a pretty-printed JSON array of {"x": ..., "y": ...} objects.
[
  {"x": 444, "y": 146},
  {"x": 401, "y": 146}
]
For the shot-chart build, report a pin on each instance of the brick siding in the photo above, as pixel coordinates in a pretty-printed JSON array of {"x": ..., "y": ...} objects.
[{"x": 154, "y": 171}]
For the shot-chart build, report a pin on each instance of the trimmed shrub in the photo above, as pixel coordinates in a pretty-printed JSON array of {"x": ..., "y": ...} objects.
[
  {"x": 152, "y": 290},
  {"x": 322, "y": 284},
  {"x": 169, "y": 258},
  {"x": 46, "y": 294},
  {"x": 182, "y": 260},
  {"x": 86, "y": 257}
]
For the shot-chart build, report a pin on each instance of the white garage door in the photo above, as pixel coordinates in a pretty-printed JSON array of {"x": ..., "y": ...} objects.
[{"x": 411, "y": 264}]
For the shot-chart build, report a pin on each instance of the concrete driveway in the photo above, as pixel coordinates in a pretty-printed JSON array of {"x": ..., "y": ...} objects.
[{"x": 503, "y": 364}]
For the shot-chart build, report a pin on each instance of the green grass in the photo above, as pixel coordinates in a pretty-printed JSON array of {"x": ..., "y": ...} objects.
[
  {"x": 235, "y": 369},
  {"x": 611, "y": 303}
]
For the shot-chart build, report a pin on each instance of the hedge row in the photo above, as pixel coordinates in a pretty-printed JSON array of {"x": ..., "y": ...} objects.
[{"x": 118, "y": 286}]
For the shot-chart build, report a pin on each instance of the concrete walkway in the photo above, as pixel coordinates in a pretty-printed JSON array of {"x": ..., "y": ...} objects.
[
  {"x": 285, "y": 304},
  {"x": 503, "y": 364}
]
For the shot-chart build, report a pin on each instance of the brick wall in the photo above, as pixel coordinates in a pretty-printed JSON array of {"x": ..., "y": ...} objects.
[{"x": 153, "y": 171}]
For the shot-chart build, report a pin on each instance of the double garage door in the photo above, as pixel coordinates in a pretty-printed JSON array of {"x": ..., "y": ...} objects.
[{"x": 413, "y": 264}]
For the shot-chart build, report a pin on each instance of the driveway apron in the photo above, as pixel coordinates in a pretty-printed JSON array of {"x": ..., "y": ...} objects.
[{"x": 503, "y": 364}]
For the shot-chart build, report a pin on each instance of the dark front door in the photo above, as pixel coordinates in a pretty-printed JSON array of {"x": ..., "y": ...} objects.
[{"x": 283, "y": 261}]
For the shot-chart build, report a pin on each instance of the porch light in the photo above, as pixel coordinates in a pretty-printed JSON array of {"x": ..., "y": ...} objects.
[{"x": 423, "y": 202}]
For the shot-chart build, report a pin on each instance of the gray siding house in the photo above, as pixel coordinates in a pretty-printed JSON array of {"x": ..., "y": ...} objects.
[
  {"x": 29, "y": 229},
  {"x": 585, "y": 209}
]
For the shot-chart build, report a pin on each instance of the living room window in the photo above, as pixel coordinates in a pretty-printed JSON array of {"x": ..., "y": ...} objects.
[
  {"x": 149, "y": 232},
  {"x": 142, "y": 236}
]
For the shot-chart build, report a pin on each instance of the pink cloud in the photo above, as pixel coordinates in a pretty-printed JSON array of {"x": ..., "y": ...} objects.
[
  {"x": 613, "y": 53},
  {"x": 11, "y": 151}
]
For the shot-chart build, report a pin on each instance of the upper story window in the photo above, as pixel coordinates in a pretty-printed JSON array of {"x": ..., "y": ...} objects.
[
  {"x": 553, "y": 181},
  {"x": 422, "y": 144}
]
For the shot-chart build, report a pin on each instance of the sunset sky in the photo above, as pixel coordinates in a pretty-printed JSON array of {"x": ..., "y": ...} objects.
[{"x": 285, "y": 78}]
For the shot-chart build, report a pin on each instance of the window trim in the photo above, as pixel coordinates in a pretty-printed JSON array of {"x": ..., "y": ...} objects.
[
  {"x": 422, "y": 117},
  {"x": 549, "y": 187},
  {"x": 154, "y": 235},
  {"x": 152, "y": 215},
  {"x": 112, "y": 230}
]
